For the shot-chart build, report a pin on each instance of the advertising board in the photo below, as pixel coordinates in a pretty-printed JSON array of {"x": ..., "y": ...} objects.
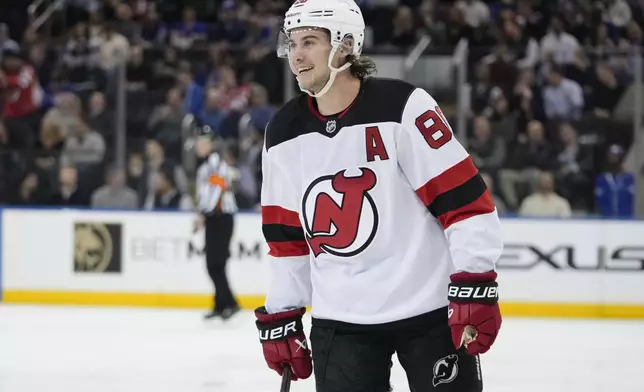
[{"x": 569, "y": 268}]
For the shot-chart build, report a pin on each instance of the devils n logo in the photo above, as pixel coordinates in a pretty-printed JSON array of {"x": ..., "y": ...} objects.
[
  {"x": 339, "y": 214},
  {"x": 445, "y": 369}
]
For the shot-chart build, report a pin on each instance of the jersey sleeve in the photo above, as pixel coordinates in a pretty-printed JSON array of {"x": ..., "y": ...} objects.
[
  {"x": 447, "y": 182},
  {"x": 290, "y": 285}
]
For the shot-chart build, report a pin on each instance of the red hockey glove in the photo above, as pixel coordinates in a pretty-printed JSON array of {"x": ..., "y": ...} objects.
[
  {"x": 474, "y": 314},
  {"x": 283, "y": 340}
]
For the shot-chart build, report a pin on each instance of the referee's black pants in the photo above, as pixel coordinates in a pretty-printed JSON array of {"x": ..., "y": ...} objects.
[{"x": 219, "y": 230}]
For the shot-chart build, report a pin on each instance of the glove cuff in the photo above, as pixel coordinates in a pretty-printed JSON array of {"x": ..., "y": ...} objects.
[
  {"x": 264, "y": 317},
  {"x": 473, "y": 277}
]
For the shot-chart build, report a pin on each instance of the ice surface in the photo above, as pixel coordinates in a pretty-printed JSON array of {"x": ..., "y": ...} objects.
[{"x": 74, "y": 349}]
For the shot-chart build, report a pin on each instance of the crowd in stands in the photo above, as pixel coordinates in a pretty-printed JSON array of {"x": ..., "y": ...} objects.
[{"x": 547, "y": 79}]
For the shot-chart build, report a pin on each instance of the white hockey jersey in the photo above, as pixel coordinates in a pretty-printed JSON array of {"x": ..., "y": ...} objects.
[{"x": 368, "y": 212}]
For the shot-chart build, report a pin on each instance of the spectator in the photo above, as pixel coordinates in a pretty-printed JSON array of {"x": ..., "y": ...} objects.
[
  {"x": 192, "y": 92},
  {"x": 600, "y": 44},
  {"x": 615, "y": 188},
  {"x": 524, "y": 47},
  {"x": 83, "y": 146},
  {"x": 526, "y": 101},
  {"x": 138, "y": 71},
  {"x": 152, "y": 30},
  {"x": 43, "y": 60},
  {"x": 534, "y": 23},
  {"x": 525, "y": 163},
  {"x": 124, "y": 24},
  {"x": 487, "y": 149},
  {"x": 66, "y": 109},
  {"x": 31, "y": 191},
  {"x": 503, "y": 68},
  {"x": 135, "y": 169},
  {"x": 259, "y": 109},
  {"x": 633, "y": 36},
  {"x": 545, "y": 202},
  {"x": 155, "y": 158},
  {"x": 165, "y": 70},
  {"x": 457, "y": 28},
  {"x": 574, "y": 162},
  {"x": 236, "y": 95},
  {"x": 502, "y": 119},
  {"x": 483, "y": 91},
  {"x": 167, "y": 196},
  {"x": 475, "y": 12},
  {"x": 115, "y": 49},
  {"x": 558, "y": 46},
  {"x": 404, "y": 34},
  {"x": 165, "y": 121},
  {"x": 230, "y": 28},
  {"x": 619, "y": 13},
  {"x": 187, "y": 32},
  {"x": 580, "y": 72},
  {"x": 22, "y": 97},
  {"x": 68, "y": 192},
  {"x": 100, "y": 117},
  {"x": 605, "y": 91},
  {"x": 49, "y": 148},
  {"x": 79, "y": 55},
  {"x": 12, "y": 166},
  {"x": 213, "y": 113},
  {"x": 115, "y": 194},
  {"x": 563, "y": 99}
]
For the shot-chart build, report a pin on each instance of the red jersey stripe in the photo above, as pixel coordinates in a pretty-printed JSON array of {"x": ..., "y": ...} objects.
[
  {"x": 288, "y": 248},
  {"x": 447, "y": 180},
  {"x": 483, "y": 205},
  {"x": 278, "y": 215}
]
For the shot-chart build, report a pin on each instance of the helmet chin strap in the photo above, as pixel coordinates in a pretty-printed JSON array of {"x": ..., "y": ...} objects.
[{"x": 332, "y": 75}]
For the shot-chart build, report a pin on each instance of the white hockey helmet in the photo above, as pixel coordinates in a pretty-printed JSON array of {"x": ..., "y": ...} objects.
[{"x": 342, "y": 18}]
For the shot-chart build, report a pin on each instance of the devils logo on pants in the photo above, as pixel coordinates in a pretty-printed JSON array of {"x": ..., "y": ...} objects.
[
  {"x": 445, "y": 369},
  {"x": 339, "y": 214}
]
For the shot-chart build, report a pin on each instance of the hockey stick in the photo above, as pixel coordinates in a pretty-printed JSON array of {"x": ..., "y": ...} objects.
[{"x": 286, "y": 379}]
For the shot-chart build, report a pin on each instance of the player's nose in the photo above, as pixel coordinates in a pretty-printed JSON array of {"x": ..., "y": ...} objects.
[{"x": 297, "y": 56}]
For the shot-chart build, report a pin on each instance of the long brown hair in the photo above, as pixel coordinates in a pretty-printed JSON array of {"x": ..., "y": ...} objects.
[{"x": 361, "y": 67}]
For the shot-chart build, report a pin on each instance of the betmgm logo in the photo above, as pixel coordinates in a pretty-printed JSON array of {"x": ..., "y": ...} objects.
[{"x": 97, "y": 247}]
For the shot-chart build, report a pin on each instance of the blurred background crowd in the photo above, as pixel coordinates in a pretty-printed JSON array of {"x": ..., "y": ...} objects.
[{"x": 98, "y": 96}]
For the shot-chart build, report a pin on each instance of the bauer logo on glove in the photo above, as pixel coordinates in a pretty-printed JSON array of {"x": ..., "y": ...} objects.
[
  {"x": 278, "y": 332},
  {"x": 477, "y": 293}
]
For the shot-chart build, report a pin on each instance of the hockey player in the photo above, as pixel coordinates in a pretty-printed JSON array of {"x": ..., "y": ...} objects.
[{"x": 374, "y": 215}]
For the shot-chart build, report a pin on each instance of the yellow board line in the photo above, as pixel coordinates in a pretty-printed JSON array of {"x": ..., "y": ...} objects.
[{"x": 201, "y": 301}]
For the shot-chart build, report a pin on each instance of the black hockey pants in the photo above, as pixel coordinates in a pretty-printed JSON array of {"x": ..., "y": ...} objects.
[{"x": 354, "y": 358}]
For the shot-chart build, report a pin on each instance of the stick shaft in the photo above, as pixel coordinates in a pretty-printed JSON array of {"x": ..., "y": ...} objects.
[{"x": 286, "y": 379}]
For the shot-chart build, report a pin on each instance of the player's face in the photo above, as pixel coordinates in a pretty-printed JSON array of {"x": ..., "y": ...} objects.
[{"x": 309, "y": 51}]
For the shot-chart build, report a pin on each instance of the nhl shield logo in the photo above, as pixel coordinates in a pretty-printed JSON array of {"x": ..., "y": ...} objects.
[
  {"x": 445, "y": 370},
  {"x": 330, "y": 126}
]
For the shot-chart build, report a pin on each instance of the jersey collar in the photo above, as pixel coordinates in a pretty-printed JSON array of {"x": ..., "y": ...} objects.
[{"x": 331, "y": 125}]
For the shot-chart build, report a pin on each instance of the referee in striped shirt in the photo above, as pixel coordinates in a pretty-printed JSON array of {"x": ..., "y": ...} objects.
[{"x": 216, "y": 206}]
